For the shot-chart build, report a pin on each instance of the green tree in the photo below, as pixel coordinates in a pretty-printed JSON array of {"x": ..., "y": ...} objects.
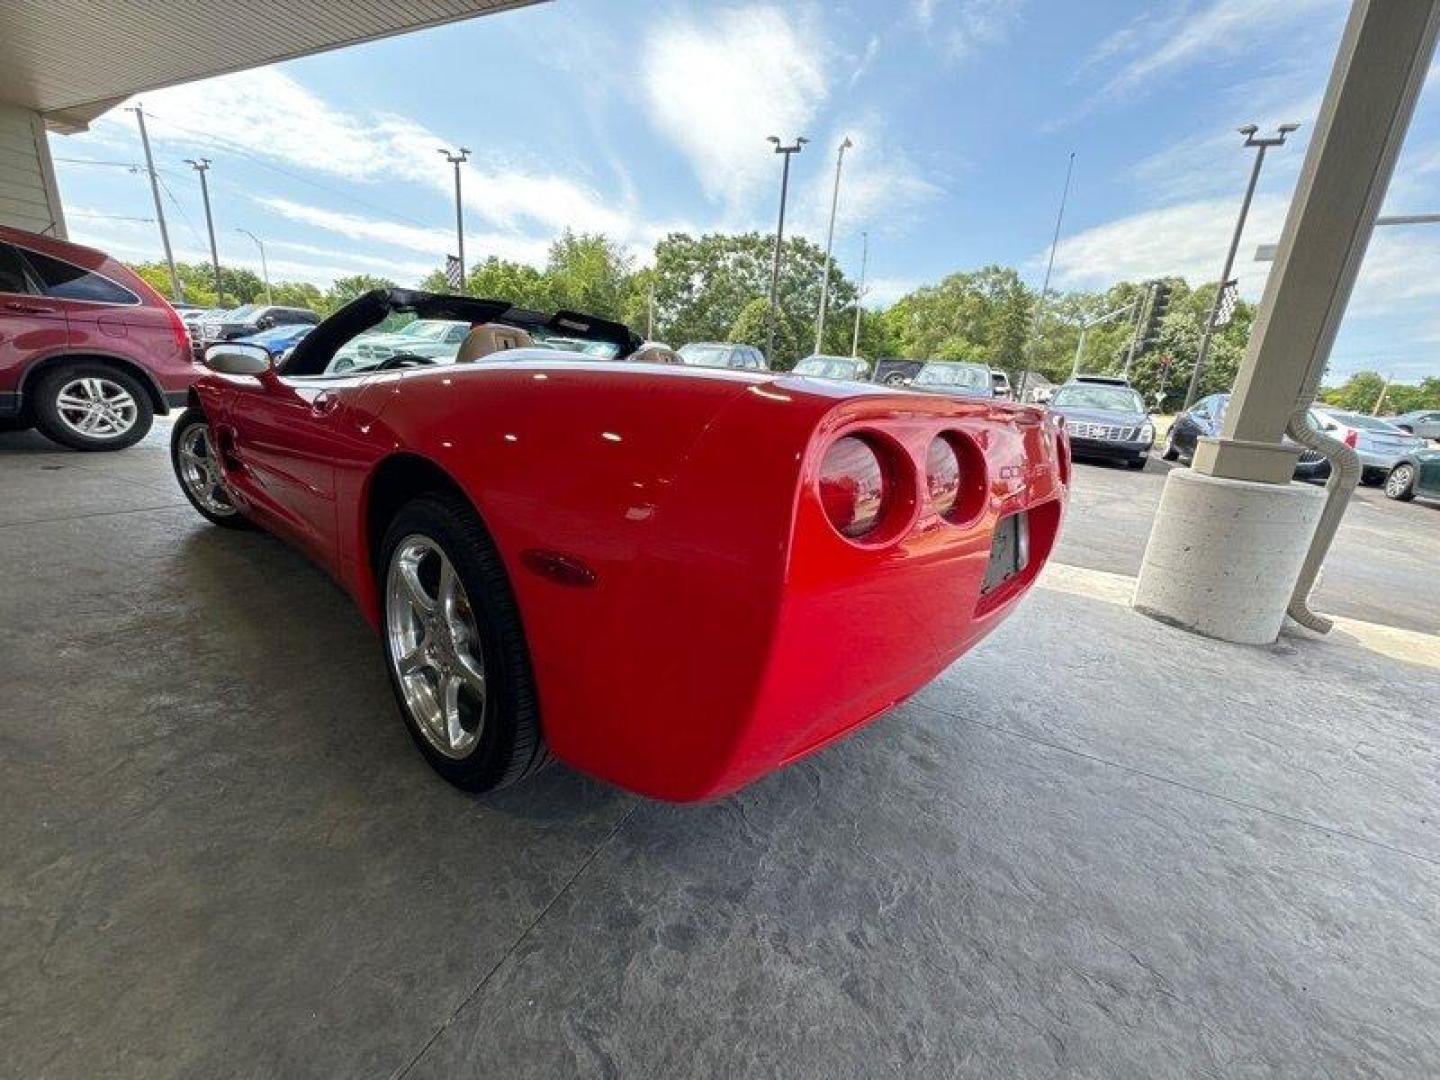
[
  {"x": 1359, "y": 393},
  {"x": 979, "y": 315},
  {"x": 343, "y": 290},
  {"x": 752, "y": 327},
  {"x": 588, "y": 272},
  {"x": 704, "y": 284}
]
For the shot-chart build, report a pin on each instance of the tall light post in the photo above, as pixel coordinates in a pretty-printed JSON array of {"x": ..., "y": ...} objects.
[
  {"x": 788, "y": 152},
  {"x": 1019, "y": 382},
  {"x": 829, "y": 244},
  {"x": 264, "y": 265},
  {"x": 859, "y": 299},
  {"x": 202, "y": 166},
  {"x": 458, "y": 158},
  {"x": 1260, "y": 146}
]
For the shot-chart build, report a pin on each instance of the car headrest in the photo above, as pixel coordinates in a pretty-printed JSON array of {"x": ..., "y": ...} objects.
[
  {"x": 655, "y": 354},
  {"x": 489, "y": 338}
]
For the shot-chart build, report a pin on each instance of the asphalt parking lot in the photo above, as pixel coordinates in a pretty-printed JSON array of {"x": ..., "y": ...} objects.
[{"x": 1097, "y": 846}]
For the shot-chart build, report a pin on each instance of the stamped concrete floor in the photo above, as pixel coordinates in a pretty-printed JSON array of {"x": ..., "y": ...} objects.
[{"x": 1095, "y": 847}]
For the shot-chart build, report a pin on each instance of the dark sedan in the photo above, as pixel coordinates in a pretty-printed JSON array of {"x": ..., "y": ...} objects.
[
  {"x": 1106, "y": 421},
  {"x": 1205, "y": 417},
  {"x": 1415, "y": 474}
]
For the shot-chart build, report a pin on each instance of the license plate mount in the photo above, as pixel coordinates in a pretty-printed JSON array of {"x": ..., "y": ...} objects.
[{"x": 1009, "y": 551}]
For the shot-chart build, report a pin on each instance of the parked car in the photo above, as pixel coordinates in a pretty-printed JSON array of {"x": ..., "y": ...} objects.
[
  {"x": 429, "y": 338},
  {"x": 279, "y": 340},
  {"x": 1422, "y": 422},
  {"x": 1415, "y": 474},
  {"x": 248, "y": 319},
  {"x": 89, "y": 352},
  {"x": 1106, "y": 420},
  {"x": 954, "y": 377},
  {"x": 1380, "y": 444},
  {"x": 832, "y": 367},
  {"x": 1206, "y": 417},
  {"x": 723, "y": 354},
  {"x": 894, "y": 371},
  {"x": 557, "y": 566}
]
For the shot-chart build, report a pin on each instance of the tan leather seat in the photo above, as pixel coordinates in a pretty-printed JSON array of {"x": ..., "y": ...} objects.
[{"x": 489, "y": 338}]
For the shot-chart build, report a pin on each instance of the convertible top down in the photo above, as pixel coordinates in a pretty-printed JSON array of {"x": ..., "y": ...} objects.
[{"x": 674, "y": 578}]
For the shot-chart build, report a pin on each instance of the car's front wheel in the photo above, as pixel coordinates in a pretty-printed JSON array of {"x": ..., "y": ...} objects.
[
  {"x": 92, "y": 406},
  {"x": 1400, "y": 484},
  {"x": 197, "y": 468},
  {"x": 455, "y": 648}
]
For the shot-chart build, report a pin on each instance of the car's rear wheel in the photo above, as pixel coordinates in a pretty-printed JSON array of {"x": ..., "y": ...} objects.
[
  {"x": 92, "y": 406},
  {"x": 1400, "y": 484},
  {"x": 197, "y": 468},
  {"x": 1137, "y": 463},
  {"x": 455, "y": 648}
]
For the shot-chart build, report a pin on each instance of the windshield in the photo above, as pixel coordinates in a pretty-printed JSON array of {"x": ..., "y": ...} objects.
[
  {"x": 595, "y": 350},
  {"x": 706, "y": 355},
  {"x": 830, "y": 367},
  {"x": 243, "y": 313},
  {"x": 1108, "y": 398},
  {"x": 280, "y": 335},
  {"x": 969, "y": 376}
]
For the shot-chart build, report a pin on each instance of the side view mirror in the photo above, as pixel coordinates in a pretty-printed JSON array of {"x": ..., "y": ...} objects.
[{"x": 234, "y": 358}]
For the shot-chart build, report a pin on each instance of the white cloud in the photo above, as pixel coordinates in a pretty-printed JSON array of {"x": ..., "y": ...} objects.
[
  {"x": 269, "y": 116},
  {"x": 980, "y": 24},
  {"x": 717, "y": 86},
  {"x": 884, "y": 291},
  {"x": 867, "y": 59},
  {"x": 1188, "y": 239},
  {"x": 1151, "y": 46}
]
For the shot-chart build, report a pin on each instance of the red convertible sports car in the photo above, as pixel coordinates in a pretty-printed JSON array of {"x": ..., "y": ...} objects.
[{"x": 674, "y": 578}]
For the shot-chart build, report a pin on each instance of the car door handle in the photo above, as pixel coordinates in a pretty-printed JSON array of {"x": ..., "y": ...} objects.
[{"x": 28, "y": 309}]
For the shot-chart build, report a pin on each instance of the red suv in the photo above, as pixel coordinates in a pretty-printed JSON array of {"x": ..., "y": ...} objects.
[{"x": 89, "y": 353}]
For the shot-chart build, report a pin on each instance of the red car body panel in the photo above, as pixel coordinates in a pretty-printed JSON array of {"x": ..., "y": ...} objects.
[
  {"x": 717, "y": 626},
  {"x": 147, "y": 338}
]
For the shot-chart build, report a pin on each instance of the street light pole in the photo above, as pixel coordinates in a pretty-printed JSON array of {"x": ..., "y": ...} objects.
[
  {"x": 1260, "y": 146},
  {"x": 859, "y": 298},
  {"x": 457, "y": 159},
  {"x": 264, "y": 265},
  {"x": 788, "y": 152},
  {"x": 175, "y": 291},
  {"x": 829, "y": 244},
  {"x": 202, "y": 167}
]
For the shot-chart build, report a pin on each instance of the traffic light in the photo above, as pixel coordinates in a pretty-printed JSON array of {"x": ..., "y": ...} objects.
[{"x": 1159, "y": 305}]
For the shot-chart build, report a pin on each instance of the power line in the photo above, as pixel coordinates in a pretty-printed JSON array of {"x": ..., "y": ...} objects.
[
  {"x": 108, "y": 217},
  {"x": 376, "y": 208},
  {"x": 97, "y": 161}
]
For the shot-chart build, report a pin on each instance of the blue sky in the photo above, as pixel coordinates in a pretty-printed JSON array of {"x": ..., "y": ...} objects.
[{"x": 636, "y": 117}]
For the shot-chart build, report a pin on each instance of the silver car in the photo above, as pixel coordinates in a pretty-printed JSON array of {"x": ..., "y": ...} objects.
[
  {"x": 1379, "y": 443},
  {"x": 1422, "y": 422}
]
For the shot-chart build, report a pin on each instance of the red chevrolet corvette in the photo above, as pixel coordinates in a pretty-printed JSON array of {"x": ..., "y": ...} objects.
[{"x": 675, "y": 579}]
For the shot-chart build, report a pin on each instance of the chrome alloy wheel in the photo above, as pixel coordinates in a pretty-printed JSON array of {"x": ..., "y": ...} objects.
[
  {"x": 1399, "y": 481},
  {"x": 96, "y": 407},
  {"x": 434, "y": 646},
  {"x": 200, "y": 472}
]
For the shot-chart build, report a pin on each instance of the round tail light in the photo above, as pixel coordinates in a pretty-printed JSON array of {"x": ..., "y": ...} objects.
[
  {"x": 852, "y": 486},
  {"x": 942, "y": 476}
]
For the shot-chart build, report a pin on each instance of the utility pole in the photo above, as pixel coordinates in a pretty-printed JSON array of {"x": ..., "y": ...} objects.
[
  {"x": 859, "y": 298},
  {"x": 1045, "y": 286},
  {"x": 1086, "y": 327},
  {"x": 264, "y": 265},
  {"x": 1260, "y": 146},
  {"x": 1143, "y": 305},
  {"x": 176, "y": 292},
  {"x": 202, "y": 167},
  {"x": 829, "y": 243},
  {"x": 458, "y": 159},
  {"x": 650, "y": 314},
  {"x": 788, "y": 152},
  {"x": 1384, "y": 390}
]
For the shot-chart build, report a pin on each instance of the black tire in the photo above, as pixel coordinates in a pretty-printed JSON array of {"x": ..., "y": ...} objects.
[
  {"x": 1371, "y": 477},
  {"x": 188, "y": 421},
  {"x": 1136, "y": 463},
  {"x": 1400, "y": 484},
  {"x": 511, "y": 744},
  {"x": 1171, "y": 451},
  {"x": 47, "y": 406}
]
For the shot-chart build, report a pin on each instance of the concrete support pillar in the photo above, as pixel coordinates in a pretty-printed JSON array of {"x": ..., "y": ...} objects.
[
  {"x": 1381, "y": 64},
  {"x": 29, "y": 198}
]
